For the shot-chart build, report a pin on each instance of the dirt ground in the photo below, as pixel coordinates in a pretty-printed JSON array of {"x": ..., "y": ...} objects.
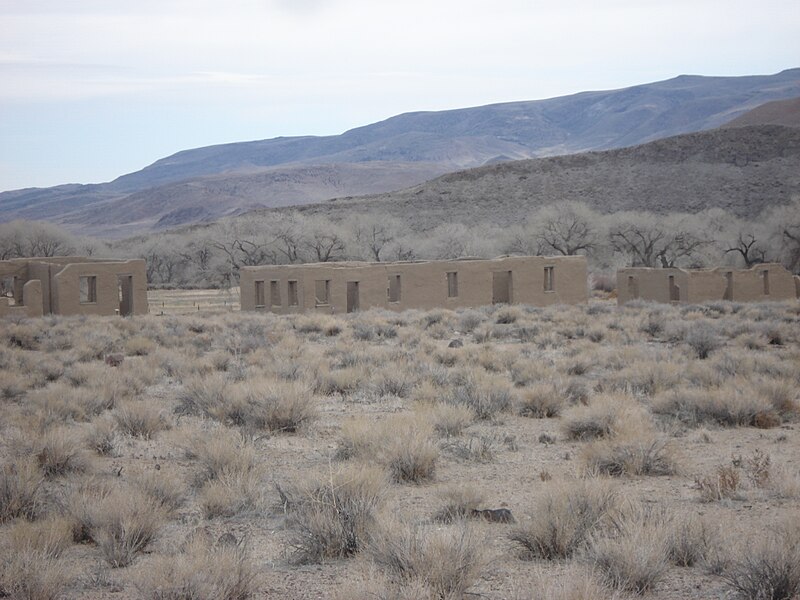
[{"x": 55, "y": 370}]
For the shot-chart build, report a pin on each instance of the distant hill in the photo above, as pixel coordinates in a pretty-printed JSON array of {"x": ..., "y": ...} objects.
[
  {"x": 742, "y": 170},
  {"x": 207, "y": 183},
  {"x": 779, "y": 112}
]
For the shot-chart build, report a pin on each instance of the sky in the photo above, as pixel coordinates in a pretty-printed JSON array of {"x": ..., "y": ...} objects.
[{"x": 93, "y": 89}]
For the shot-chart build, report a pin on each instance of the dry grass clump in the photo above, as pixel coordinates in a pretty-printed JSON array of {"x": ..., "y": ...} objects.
[
  {"x": 20, "y": 489},
  {"x": 167, "y": 490},
  {"x": 703, "y": 339},
  {"x": 635, "y": 556},
  {"x": 730, "y": 406},
  {"x": 29, "y": 565},
  {"x": 446, "y": 562},
  {"x": 333, "y": 515},
  {"x": 59, "y": 451},
  {"x": 641, "y": 454},
  {"x": 123, "y": 523},
  {"x": 228, "y": 476},
  {"x": 767, "y": 568},
  {"x": 102, "y": 436},
  {"x": 266, "y": 403},
  {"x": 568, "y": 513},
  {"x": 543, "y": 400},
  {"x": 140, "y": 418},
  {"x": 690, "y": 540},
  {"x": 139, "y": 346},
  {"x": 202, "y": 571},
  {"x": 49, "y": 537},
  {"x": 577, "y": 584},
  {"x": 30, "y": 574},
  {"x": 448, "y": 420},
  {"x": 458, "y": 503},
  {"x": 339, "y": 381},
  {"x": 605, "y": 416},
  {"x": 403, "y": 443},
  {"x": 487, "y": 395},
  {"x": 203, "y": 396}
]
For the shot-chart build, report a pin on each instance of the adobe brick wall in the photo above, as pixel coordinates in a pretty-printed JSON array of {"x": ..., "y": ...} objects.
[
  {"x": 423, "y": 285},
  {"x": 52, "y": 286},
  {"x": 704, "y": 285}
]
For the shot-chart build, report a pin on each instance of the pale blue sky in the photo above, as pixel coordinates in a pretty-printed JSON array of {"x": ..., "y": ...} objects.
[{"x": 93, "y": 89}]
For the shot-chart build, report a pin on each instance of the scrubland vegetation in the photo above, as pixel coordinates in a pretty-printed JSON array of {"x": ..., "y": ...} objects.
[{"x": 248, "y": 455}]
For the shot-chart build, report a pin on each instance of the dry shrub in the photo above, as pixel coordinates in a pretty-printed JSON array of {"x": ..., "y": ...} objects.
[
  {"x": 635, "y": 556},
  {"x": 48, "y": 537},
  {"x": 334, "y": 515},
  {"x": 724, "y": 483},
  {"x": 403, "y": 443},
  {"x": 730, "y": 406},
  {"x": 395, "y": 382},
  {"x": 448, "y": 420},
  {"x": 33, "y": 575},
  {"x": 543, "y": 400},
  {"x": 266, "y": 403},
  {"x": 12, "y": 385},
  {"x": 217, "y": 453},
  {"x": 139, "y": 346},
  {"x": 643, "y": 454},
  {"x": 475, "y": 448},
  {"x": 486, "y": 394},
  {"x": 140, "y": 418},
  {"x": 20, "y": 489},
  {"x": 768, "y": 567},
  {"x": 167, "y": 490},
  {"x": 606, "y": 416},
  {"x": 60, "y": 451},
  {"x": 447, "y": 562},
  {"x": 124, "y": 523},
  {"x": 203, "y": 396},
  {"x": 690, "y": 540},
  {"x": 102, "y": 436},
  {"x": 202, "y": 571},
  {"x": 568, "y": 513},
  {"x": 576, "y": 584},
  {"x": 340, "y": 381},
  {"x": 782, "y": 395},
  {"x": 80, "y": 505},
  {"x": 703, "y": 339},
  {"x": 228, "y": 475},
  {"x": 458, "y": 503}
]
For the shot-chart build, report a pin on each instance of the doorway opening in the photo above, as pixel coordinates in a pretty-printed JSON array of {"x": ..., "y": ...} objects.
[
  {"x": 502, "y": 292},
  {"x": 352, "y": 296},
  {"x": 125, "y": 286}
]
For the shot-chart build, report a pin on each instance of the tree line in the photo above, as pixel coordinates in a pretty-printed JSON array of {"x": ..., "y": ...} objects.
[{"x": 210, "y": 255}]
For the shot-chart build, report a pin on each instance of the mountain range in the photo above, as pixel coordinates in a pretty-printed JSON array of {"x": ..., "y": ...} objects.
[{"x": 406, "y": 150}]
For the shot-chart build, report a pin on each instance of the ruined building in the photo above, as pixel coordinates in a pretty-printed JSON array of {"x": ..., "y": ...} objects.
[
  {"x": 351, "y": 286},
  {"x": 760, "y": 283},
  {"x": 71, "y": 285}
]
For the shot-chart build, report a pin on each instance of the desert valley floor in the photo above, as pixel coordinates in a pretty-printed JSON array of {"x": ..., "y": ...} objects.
[{"x": 644, "y": 450}]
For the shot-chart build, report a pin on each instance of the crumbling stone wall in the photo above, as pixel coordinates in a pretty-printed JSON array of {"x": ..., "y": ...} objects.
[
  {"x": 764, "y": 282},
  {"x": 75, "y": 286},
  {"x": 348, "y": 286}
]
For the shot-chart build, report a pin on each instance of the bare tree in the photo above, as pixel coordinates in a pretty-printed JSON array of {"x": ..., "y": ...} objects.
[
  {"x": 749, "y": 248},
  {"x": 375, "y": 234},
  {"x": 651, "y": 243},
  {"x": 566, "y": 229},
  {"x": 20, "y": 239},
  {"x": 325, "y": 246}
]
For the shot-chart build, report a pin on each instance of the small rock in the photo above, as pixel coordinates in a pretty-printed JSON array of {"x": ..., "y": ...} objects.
[
  {"x": 227, "y": 539},
  {"x": 455, "y": 344}
]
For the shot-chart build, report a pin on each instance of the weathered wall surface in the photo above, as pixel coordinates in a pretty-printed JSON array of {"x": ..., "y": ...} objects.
[
  {"x": 765, "y": 282},
  {"x": 29, "y": 303},
  {"x": 66, "y": 292},
  {"x": 422, "y": 285},
  {"x": 53, "y": 286}
]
